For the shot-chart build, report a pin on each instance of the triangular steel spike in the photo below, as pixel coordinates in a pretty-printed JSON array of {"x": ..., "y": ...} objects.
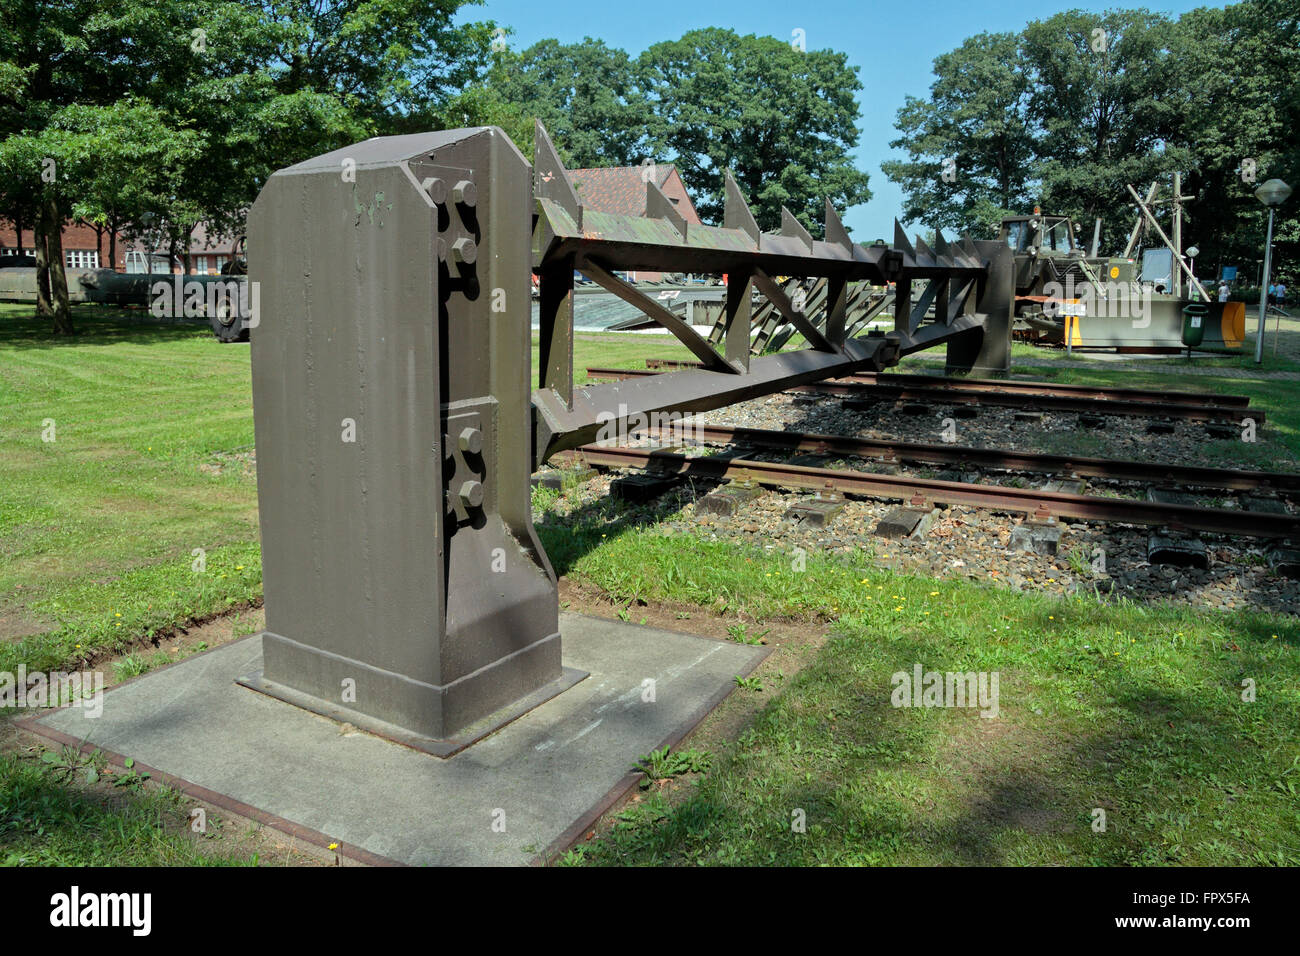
[
  {"x": 550, "y": 179},
  {"x": 735, "y": 210},
  {"x": 659, "y": 206},
  {"x": 940, "y": 244},
  {"x": 969, "y": 251},
  {"x": 900, "y": 240},
  {"x": 792, "y": 227},
  {"x": 835, "y": 231},
  {"x": 922, "y": 250}
]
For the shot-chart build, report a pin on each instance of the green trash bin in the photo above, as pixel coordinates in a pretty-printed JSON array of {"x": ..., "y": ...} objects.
[{"x": 1194, "y": 324}]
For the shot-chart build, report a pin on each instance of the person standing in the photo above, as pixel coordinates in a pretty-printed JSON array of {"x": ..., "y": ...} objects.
[
  {"x": 1281, "y": 295},
  {"x": 1223, "y": 291}
]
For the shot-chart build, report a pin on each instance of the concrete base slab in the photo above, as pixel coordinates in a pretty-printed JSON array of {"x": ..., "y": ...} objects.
[
  {"x": 562, "y": 479},
  {"x": 900, "y": 522},
  {"x": 533, "y": 786},
  {"x": 638, "y": 489},
  {"x": 1040, "y": 537},
  {"x": 728, "y": 499},
  {"x": 1170, "y": 496},
  {"x": 1285, "y": 560},
  {"x": 1178, "y": 551},
  {"x": 1273, "y": 506},
  {"x": 819, "y": 511},
  {"x": 1069, "y": 486}
]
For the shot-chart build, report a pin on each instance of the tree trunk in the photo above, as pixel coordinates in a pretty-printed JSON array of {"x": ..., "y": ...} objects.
[
  {"x": 112, "y": 243},
  {"x": 44, "y": 310},
  {"x": 18, "y": 231},
  {"x": 58, "y": 277}
]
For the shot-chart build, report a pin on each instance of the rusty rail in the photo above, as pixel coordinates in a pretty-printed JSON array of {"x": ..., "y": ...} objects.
[
  {"x": 1015, "y": 385},
  {"x": 1030, "y": 501},
  {"x": 1070, "y": 465},
  {"x": 941, "y": 392}
]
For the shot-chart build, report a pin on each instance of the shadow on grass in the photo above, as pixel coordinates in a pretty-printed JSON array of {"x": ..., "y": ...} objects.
[
  {"x": 1180, "y": 782},
  {"x": 20, "y": 328}
]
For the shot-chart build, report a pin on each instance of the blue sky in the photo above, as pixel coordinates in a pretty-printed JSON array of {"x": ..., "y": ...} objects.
[{"x": 893, "y": 44}]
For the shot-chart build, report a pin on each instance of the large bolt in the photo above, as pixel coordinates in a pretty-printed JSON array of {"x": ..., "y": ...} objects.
[
  {"x": 471, "y": 494},
  {"x": 465, "y": 193},
  {"x": 437, "y": 189},
  {"x": 464, "y": 250},
  {"x": 470, "y": 440},
  {"x": 442, "y": 249}
]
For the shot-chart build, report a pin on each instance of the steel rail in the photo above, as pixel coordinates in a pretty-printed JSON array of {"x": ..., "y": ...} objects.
[
  {"x": 1013, "y": 385},
  {"x": 1069, "y": 465},
  {"x": 940, "y": 393},
  {"x": 927, "y": 490}
]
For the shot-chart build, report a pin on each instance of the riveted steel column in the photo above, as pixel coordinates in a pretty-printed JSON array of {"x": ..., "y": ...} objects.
[{"x": 405, "y": 589}]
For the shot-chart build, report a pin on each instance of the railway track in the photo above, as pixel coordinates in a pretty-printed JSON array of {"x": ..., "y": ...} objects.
[
  {"x": 949, "y": 392},
  {"x": 1038, "y": 503},
  {"x": 980, "y": 385},
  {"x": 1194, "y": 476}
]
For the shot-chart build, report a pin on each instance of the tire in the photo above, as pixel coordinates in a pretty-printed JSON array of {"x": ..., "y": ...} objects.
[{"x": 229, "y": 328}]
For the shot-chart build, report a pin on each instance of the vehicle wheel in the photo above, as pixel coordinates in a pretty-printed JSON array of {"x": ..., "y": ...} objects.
[{"x": 229, "y": 328}]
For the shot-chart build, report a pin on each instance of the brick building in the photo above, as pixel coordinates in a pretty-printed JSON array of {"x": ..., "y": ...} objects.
[
  {"x": 83, "y": 248},
  {"x": 620, "y": 190}
]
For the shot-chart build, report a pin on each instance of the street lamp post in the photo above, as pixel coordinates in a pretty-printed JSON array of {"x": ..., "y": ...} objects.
[{"x": 1272, "y": 194}]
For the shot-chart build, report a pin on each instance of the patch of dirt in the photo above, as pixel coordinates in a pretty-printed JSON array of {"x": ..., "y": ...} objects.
[{"x": 16, "y": 624}]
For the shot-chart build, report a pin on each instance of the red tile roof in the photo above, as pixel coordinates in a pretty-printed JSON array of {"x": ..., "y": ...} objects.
[{"x": 621, "y": 189}]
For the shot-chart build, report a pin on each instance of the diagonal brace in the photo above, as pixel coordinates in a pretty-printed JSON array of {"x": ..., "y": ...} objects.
[
  {"x": 772, "y": 289},
  {"x": 665, "y": 317}
]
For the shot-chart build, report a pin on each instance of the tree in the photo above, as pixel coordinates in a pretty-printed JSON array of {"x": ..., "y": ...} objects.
[
  {"x": 585, "y": 94},
  {"x": 971, "y": 144},
  {"x": 1102, "y": 109},
  {"x": 1240, "y": 105},
  {"x": 1084, "y": 104},
  {"x": 175, "y": 113},
  {"x": 782, "y": 120}
]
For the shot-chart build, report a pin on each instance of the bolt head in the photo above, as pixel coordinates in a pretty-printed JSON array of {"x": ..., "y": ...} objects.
[
  {"x": 465, "y": 193},
  {"x": 464, "y": 250},
  {"x": 437, "y": 189},
  {"x": 470, "y": 440},
  {"x": 470, "y": 494}
]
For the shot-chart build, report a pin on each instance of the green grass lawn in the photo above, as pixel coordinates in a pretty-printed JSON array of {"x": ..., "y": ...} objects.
[
  {"x": 1136, "y": 711},
  {"x": 1130, "y": 709}
]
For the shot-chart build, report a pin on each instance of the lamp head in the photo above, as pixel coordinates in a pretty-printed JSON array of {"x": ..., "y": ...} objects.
[{"x": 1273, "y": 193}]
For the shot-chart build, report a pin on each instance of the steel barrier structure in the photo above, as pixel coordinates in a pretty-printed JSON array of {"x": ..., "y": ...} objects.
[{"x": 397, "y": 422}]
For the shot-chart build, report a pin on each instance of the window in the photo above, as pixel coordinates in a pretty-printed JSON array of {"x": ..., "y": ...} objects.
[
  {"x": 1016, "y": 235},
  {"x": 135, "y": 262},
  {"x": 221, "y": 263},
  {"x": 81, "y": 258},
  {"x": 201, "y": 265}
]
